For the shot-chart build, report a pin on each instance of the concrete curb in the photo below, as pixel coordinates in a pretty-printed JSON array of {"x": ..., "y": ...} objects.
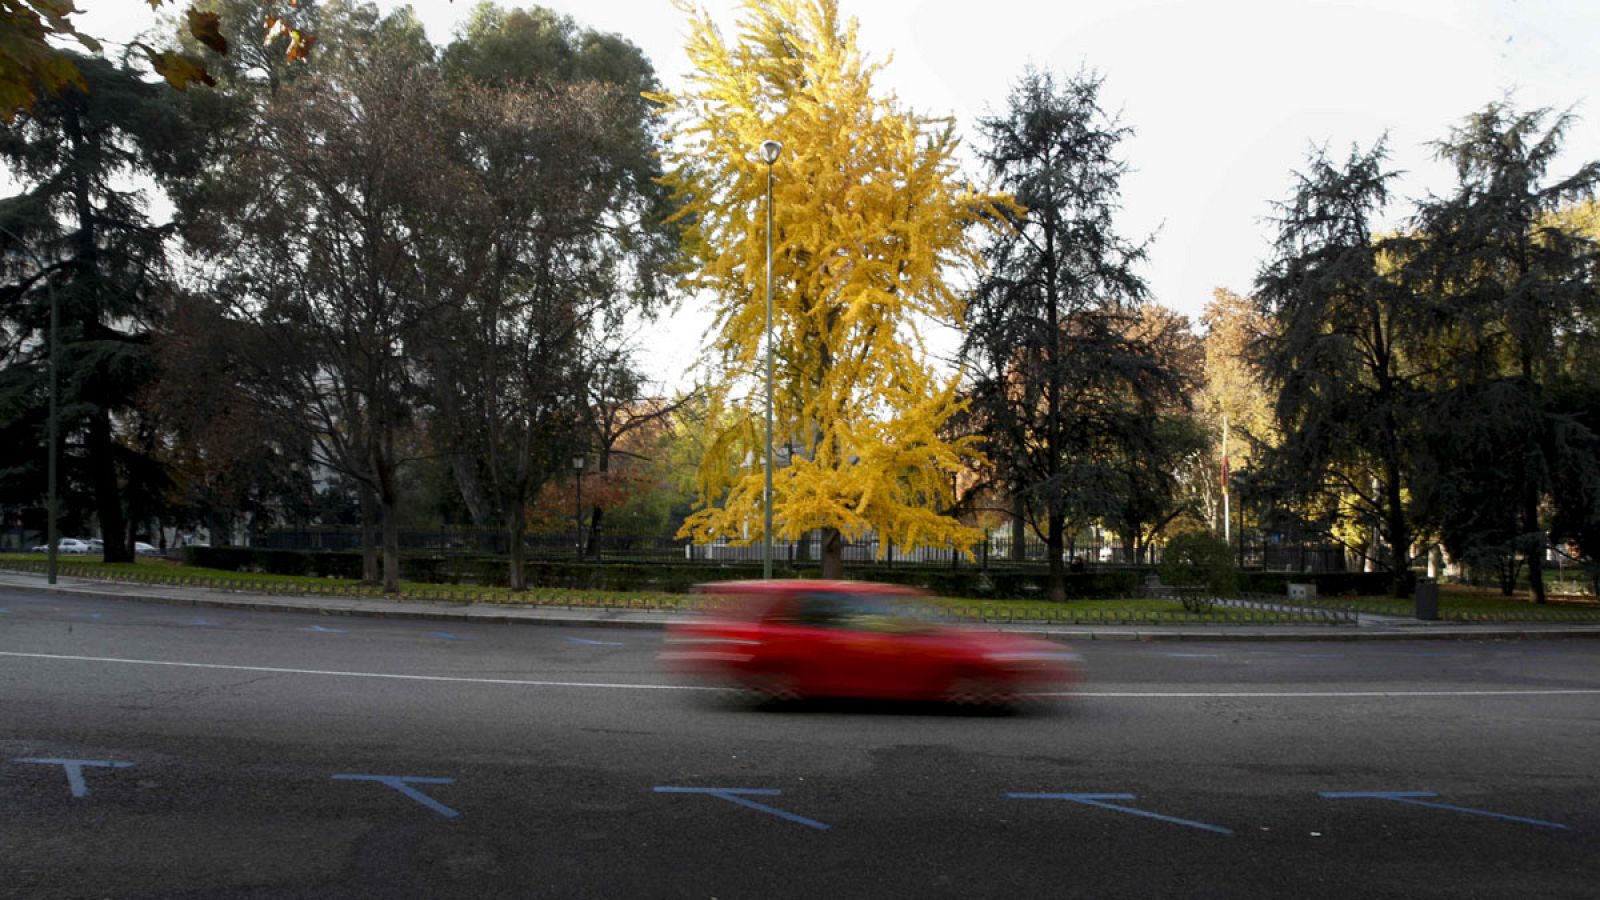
[{"x": 623, "y": 618}]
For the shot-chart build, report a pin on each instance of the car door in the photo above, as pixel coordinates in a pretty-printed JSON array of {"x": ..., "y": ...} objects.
[{"x": 837, "y": 643}]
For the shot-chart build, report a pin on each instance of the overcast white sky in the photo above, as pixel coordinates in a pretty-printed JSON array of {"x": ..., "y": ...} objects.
[{"x": 1225, "y": 96}]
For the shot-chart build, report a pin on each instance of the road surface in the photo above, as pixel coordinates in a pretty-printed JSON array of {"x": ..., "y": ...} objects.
[{"x": 172, "y": 752}]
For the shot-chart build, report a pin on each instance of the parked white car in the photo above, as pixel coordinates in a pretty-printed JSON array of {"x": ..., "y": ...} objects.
[
  {"x": 143, "y": 548},
  {"x": 65, "y": 545}
]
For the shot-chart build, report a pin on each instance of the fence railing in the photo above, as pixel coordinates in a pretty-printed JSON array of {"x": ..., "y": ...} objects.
[
  {"x": 996, "y": 550},
  {"x": 975, "y": 611}
]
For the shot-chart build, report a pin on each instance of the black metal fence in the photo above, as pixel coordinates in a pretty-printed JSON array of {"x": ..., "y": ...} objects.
[{"x": 996, "y": 550}]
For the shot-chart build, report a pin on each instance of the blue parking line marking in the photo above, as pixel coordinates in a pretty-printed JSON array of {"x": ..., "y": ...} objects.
[
  {"x": 445, "y": 635},
  {"x": 737, "y": 795},
  {"x": 74, "y": 768},
  {"x": 1098, "y": 800},
  {"x": 1194, "y": 655},
  {"x": 202, "y": 622},
  {"x": 320, "y": 630},
  {"x": 94, "y": 616},
  {"x": 596, "y": 643},
  {"x": 402, "y": 783},
  {"x": 1415, "y": 799}
]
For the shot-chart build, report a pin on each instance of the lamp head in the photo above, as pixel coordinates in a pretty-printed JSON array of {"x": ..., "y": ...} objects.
[{"x": 770, "y": 151}]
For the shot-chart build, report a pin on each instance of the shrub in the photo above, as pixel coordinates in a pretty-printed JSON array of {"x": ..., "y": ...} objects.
[{"x": 1200, "y": 559}]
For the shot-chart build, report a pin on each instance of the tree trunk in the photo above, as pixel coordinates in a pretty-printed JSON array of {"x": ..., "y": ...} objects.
[
  {"x": 471, "y": 488},
  {"x": 1019, "y": 530},
  {"x": 832, "y": 553},
  {"x": 1401, "y": 583},
  {"x": 107, "y": 498},
  {"x": 391, "y": 543},
  {"x": 217, "y": 525},
  {"x": 596, "y": 516},
  {"x": 1507, "y": 573},
  {"x": 516, "y": 531},
  {"x": 1536, "y": 545},
  {"x": 369, "y": 535},
  {"x": 1055, "y": 545}
]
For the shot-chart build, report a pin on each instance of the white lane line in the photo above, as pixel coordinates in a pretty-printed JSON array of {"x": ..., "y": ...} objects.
[
  {"x": 455, "y": 679},
  {"x": 278, "y": 670},
  {"x": 1553, "y": 692}
]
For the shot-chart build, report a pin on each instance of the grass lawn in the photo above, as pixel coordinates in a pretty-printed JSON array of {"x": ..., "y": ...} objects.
[
  {"x": 1465, "y": 603},
  {"x": 1103, "y": 611}
]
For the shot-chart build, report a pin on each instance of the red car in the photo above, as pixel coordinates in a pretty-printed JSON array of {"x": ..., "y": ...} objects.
[{"x": 789, "y": 639}]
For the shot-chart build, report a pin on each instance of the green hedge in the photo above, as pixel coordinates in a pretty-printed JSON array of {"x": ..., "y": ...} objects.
[
  {"x": 668, "y": 577},
  {"x": 275, "y": 562},
  {"x": 993, "y": 583}
]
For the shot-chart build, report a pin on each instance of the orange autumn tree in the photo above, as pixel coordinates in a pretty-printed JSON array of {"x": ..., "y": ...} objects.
[{"x": 870, "y": 219}]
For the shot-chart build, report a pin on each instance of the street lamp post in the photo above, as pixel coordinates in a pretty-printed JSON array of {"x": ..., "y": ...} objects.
[
  {"x": 51, "y": 504},
  {"x": 769, "y": 155},
  {"x": 577, "y": 500}
]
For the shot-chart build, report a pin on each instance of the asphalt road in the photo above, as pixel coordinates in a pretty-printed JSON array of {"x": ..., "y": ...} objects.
[{"x": 172, "y": 752}]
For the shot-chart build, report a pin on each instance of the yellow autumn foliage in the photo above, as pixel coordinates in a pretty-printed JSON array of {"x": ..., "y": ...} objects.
[{"x": 870, "y": 218}]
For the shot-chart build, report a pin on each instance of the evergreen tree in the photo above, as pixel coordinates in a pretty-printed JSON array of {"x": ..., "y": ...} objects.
[
  {"x": 1515, "y": 296},
  {"x": 73, "y": 155},
  {"x": 1063, "y": 378},
  {"x": 1341, "y": 355}
]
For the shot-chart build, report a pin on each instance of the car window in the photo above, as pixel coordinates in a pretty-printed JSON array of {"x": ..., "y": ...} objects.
[{"x": 849, "y": 611}]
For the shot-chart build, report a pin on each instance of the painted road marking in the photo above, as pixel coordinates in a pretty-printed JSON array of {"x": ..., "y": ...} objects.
[
  {"x": 447, "y": 679},
  {"x": 202, "y": 622},
  {"x": 596, "y": 643},
  {"x": 402, "y": 783},
  {"x": 517, "y": 682},
  {"x": 1337, "y": 695},
  {"x": 320, "y": 630},
  {"x": 1194, "y": 655},
  {"x": 1414, "y": 798},
  {"x": 1098, "y": 800},
  {"x": 445, "y": 635},
  {"x": 74, "y": 769},
  {"x": 737, "y": 795}
]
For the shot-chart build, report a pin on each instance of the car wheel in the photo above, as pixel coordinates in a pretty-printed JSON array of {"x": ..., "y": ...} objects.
[
  {"x": 771, "y": 688},
  {"x": 980, "y": 692}
]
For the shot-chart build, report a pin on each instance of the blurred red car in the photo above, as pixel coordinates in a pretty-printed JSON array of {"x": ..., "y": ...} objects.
[{"x": 789, "y": 639}]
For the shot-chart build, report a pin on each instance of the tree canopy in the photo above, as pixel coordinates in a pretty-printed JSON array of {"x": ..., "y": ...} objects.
[{"x": 870, "y": 222}]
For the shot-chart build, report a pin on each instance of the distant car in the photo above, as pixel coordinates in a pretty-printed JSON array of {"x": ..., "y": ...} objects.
[
  {"x": 793, "y": 639},
  {"x": 95, "y": 544},
  {"x": 147, "y": 549},
  {"x": 65, "y": 545}
]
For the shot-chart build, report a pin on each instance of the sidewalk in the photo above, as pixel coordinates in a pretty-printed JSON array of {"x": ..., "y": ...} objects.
[{"x": 1369, "y": 627}]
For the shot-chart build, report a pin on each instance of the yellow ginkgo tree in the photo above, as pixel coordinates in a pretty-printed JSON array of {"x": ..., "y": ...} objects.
[{"x": 870, "y": 221}]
